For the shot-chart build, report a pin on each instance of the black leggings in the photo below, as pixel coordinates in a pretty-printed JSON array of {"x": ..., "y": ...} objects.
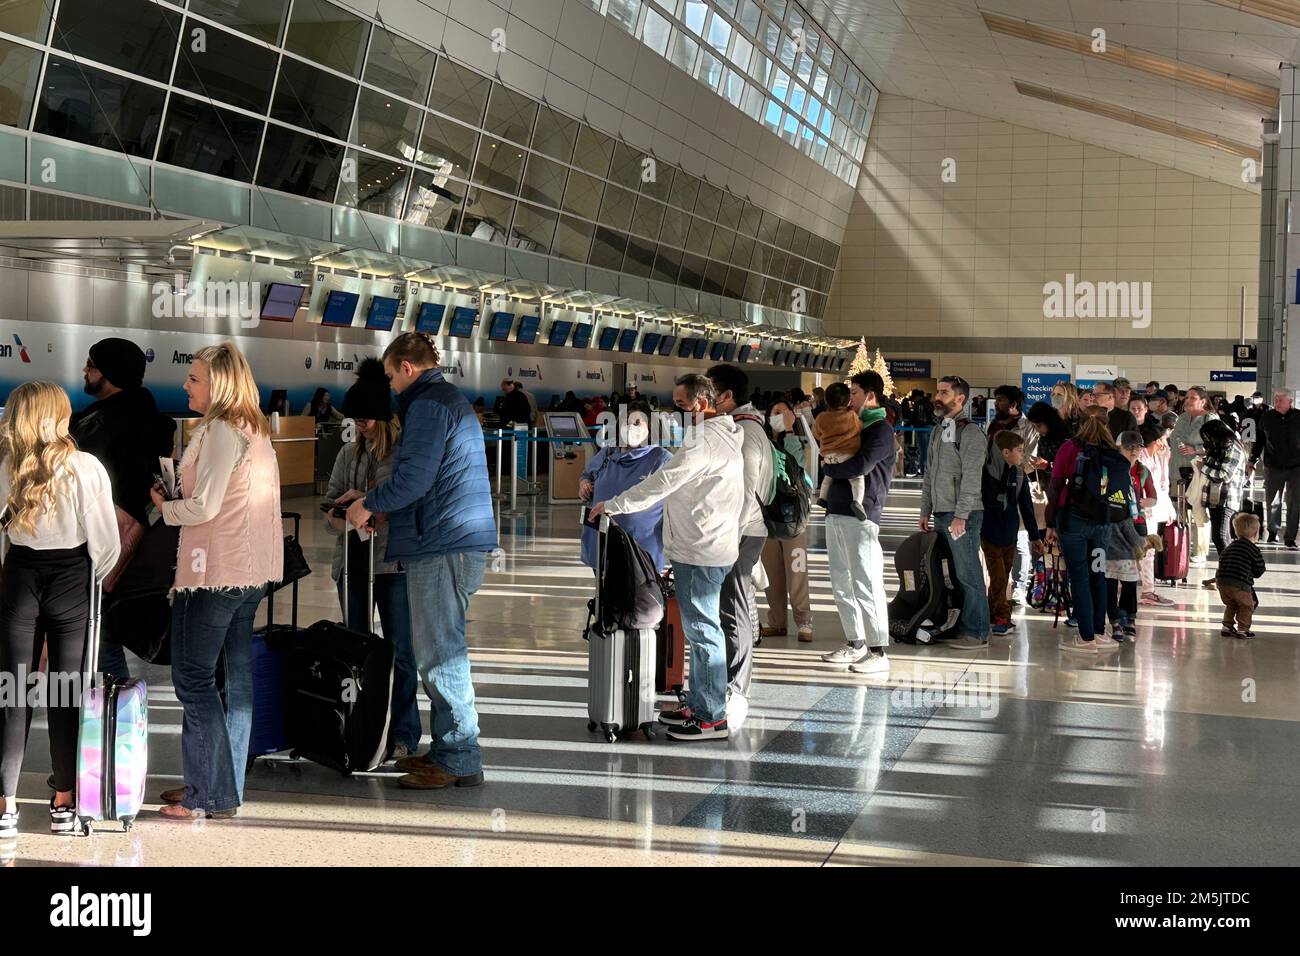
[
  {"x": 42, "y": 593},
  {"x": 1121, "y": 596}
]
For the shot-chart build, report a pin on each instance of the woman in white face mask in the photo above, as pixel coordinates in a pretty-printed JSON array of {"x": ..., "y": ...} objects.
[
  {"x": 616, "y": 468},
  {"x": 786, "y": 561}
]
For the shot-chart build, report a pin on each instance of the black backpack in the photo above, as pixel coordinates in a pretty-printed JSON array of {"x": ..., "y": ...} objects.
[
  {"x": 632, "y": 595},
  {"x": 786, "y": 515},
  {"x": 1101, "y": 486}
]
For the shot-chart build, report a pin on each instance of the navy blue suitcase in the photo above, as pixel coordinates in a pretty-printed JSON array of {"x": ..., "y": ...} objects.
[{"x": 268, "y": 734}]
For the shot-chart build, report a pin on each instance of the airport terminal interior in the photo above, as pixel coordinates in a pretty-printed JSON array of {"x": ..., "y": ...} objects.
[{"x": 1046, "y": 204}]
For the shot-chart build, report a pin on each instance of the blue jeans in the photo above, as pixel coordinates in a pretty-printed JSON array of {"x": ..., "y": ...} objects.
[
  {"x": 1083, "y": 543},
  {"x": 439, "y": 589},
  {"x": 922, "y": 449},
  {"x": 970, "y": 573},
  {"x": 207, "y": 624},
  {"x": 698, "y": 591},
  {"x": 395, "y": 615}
]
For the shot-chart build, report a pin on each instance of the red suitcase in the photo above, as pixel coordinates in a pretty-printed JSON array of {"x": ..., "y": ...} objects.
[
  {"x": 670, "y": 664},
  {"x": 1171, "y": 563}
]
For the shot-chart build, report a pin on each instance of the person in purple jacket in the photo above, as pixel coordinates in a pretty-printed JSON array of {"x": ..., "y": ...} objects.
[
  {"x": 857, "y": 562},
  {"x": 616, "y": 468}
]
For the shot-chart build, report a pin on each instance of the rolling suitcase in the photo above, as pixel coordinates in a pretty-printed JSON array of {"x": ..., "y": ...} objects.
[
  {"x": 112, "y": 738},
  {"x": 670, "y": 665},
  {"x": 339, "y": 688},
  {"x": 620, "y": 666},
  {"x": 1172, "y": 560},
  {"x": 267, "y": 734}
]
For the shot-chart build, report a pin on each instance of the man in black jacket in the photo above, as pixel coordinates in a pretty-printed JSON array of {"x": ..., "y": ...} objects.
[
  {"x": 1278, "y": 441},
  {"x": 125, "y": 431},
  {"x": 853, "y": 552}
]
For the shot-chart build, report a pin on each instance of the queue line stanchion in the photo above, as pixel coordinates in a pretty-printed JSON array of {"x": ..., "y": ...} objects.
[
  {"x": 514, "y": 511},
  {"x": 500, "y": 441}
]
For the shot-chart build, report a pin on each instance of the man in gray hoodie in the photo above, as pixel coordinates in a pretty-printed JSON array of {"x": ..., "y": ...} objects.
[{"x": 951, "y": 494}]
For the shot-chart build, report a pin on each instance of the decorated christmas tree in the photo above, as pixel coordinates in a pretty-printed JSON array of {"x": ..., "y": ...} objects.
[
  {"x": 861, "y": 361},
  {"x": 881, "y": 368}
]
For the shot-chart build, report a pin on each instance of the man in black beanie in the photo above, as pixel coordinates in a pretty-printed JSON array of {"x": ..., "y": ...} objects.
[{"x": 125, "y": 431}]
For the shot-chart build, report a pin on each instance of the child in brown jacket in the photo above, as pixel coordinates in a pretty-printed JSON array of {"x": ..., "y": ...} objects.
[{"x": 838, "y": 431}]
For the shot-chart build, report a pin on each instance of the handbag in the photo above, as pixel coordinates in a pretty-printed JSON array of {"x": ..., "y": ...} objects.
[
  {"x": 129, "y": 534},
  {"x": 1039, "y": 498},
  {"x": 295, "y": 563}
]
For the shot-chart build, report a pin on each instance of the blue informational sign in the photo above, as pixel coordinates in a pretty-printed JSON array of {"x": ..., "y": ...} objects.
[
  {"x": 1037, "y": 386},
  {"x": 910, "y": 368},
  {"x": 1233, "y": 375}
]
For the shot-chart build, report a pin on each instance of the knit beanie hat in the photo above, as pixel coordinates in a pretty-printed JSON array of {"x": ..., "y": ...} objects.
[
  {"x": 120, "y": 361},
  {"x": 370, "y": 397}
]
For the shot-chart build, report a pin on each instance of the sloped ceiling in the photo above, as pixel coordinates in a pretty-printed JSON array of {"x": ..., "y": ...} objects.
[{"x": 943, "y": 52}]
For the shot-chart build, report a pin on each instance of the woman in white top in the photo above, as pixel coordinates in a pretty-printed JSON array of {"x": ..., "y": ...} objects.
[{"x": 59, "y": 518}]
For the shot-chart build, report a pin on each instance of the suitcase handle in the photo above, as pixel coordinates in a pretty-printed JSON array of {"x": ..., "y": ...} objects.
[
  {"x": 370, "y": 582},
  {"x": 602, "y": 539},
  {"x": 296, "y": 518}
]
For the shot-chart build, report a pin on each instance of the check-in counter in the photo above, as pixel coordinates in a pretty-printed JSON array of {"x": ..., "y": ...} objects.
[{"x": 295, "y": 451}]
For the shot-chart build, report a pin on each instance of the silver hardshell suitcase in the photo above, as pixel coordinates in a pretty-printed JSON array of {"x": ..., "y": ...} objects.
[{"x": 620, "y": 668}]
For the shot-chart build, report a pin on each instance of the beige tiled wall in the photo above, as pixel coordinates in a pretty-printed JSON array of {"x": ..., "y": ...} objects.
[{"x": 967, "y": 261}]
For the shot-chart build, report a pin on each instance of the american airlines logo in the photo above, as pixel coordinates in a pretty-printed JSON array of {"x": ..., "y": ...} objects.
[
  {"x": 182, "y": 358},
  {"x": 333, "y": 365},
  {"x": 7, "y": 351}
]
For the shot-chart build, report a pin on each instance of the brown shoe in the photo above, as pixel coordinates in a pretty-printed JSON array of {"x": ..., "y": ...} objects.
[
  {"x": 806, "y": 634},
  {"x": 438, "y": 779},
  {"x": 765, "y": 631},
  {"x": 174, "y": 795},
  {"x": 416, "y": 763},
  {"x": 174, "y": 811}
]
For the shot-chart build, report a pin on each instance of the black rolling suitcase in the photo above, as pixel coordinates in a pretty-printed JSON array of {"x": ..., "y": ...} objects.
[
  {"x": 338, "y": 688},
  {"x": 621, "y": 661}
]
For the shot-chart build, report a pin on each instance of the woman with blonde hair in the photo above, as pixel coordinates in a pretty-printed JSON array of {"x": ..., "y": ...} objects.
[
  {"x": 358, "y": 468},
  {"x": 1065, "y": 399},
  {"x": 231, "y": 548},
  {"x": 58, "y": 515}
]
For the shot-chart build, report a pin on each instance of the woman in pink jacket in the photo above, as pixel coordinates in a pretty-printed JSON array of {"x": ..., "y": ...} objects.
[{"x": 231, "y": 548}]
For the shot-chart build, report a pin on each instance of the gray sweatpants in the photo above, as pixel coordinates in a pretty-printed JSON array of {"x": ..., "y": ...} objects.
[{"x": 738, "y": 611}]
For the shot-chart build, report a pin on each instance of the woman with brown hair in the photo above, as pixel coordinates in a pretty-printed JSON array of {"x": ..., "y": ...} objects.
[{"x": 1073, "y": 524}]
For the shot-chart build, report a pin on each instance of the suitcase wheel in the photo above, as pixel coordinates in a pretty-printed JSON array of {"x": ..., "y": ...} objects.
[
  {"x": 86, "y": 827},
  {"x": 610, "y": 736},
  {"x": 591, "y": 726},
  {"x": 127, "y": 823},
  {"x": 649, "y": 731}
]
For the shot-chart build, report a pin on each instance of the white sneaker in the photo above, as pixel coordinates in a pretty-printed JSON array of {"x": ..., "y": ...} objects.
[
  {"x": 1019, "y": 597},
  {"x": 8, "y": 825},
  {"x": 875, "y": 664},
  {"x": 737, "y": 711},
  {"x": 1196, "y": 562},
  {"x": 1104, "y": 642},
  {"x": 1078, "y": 644},
  {"x": 968, "y": 643},
  {"x": 848, "y": 654}
]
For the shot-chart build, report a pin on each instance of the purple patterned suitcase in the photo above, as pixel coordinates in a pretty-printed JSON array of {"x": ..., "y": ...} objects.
[{"x": 112, "y": 739}]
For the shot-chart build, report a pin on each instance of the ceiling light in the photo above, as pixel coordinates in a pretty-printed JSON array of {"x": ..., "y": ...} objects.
[
  {"x": 1152, "y": 63},
  {"x": 1154, "y": 123}
]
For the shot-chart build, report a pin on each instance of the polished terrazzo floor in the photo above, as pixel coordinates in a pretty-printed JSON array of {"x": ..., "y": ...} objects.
[{"x": 1183, "y": 748}]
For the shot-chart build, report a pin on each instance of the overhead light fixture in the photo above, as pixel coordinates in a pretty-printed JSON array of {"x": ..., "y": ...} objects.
[
  {"x": 1154, "y": 123},
  {"x": 1256, "y": 94},
  {"x": 1281, "y": 11}
]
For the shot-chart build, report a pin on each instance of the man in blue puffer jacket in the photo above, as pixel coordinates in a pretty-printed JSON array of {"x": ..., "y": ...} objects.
[{"x": 441, "y": 526}]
